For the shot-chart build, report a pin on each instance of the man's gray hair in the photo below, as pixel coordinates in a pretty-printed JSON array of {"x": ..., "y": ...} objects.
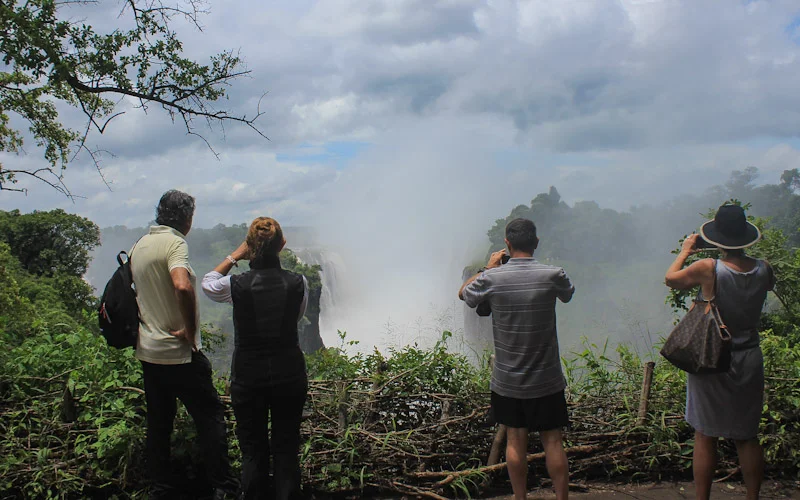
[{"x": 175, "y": 209}]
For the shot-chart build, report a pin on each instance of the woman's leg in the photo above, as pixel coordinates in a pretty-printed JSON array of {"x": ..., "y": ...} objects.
[
  {"x": 250, "y": 409},
  {"x": 517, "y": 459},
  {"x": 286, "y": 411},
  {"x": 704, "y": 464},
  {"x": 751, "y": 459}
]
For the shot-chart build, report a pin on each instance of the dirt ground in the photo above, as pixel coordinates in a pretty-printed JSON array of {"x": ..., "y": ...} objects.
[{"x": 668, "y": 491}]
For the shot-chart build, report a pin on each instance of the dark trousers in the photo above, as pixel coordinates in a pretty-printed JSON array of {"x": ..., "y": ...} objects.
[
  {"x": 254, "y": 409},
  {"x": 192, "y": 384}
]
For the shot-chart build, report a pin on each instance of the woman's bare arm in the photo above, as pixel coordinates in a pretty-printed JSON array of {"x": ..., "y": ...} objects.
[{"x": 699, "y": 273}]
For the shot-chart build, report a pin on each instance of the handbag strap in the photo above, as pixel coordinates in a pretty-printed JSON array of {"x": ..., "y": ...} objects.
[
  {"x": 716, "y": 290},
  {"x": 712, "y": 305},
  {"x": 710, "y": 300}
]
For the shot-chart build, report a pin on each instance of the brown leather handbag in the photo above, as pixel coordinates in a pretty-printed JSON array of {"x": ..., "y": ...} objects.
[{"x": 700, "y": 343}]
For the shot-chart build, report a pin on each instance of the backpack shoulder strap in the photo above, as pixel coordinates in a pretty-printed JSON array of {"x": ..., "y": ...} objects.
[
  {"x": 119, "y": 258},
  {"x": 134, "y": 245}
]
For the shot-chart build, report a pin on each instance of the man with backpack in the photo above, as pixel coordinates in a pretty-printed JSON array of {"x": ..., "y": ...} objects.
[
  {"x": 168, "y": 347},
  {"x": 527, "y": 381}
]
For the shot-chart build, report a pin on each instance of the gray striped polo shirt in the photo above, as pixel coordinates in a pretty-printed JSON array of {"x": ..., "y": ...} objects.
[{"x": 523, "y": 294}]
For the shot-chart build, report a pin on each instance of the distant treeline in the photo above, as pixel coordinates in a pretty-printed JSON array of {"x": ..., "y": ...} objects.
[
  {"x": 617, "y": 259},
  {"x": 62, "y": 261},
  {"x": 587, "y": 233}
]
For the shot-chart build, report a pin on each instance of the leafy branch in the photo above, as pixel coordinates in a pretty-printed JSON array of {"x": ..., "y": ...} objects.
[{"x": 51, "y": 60}]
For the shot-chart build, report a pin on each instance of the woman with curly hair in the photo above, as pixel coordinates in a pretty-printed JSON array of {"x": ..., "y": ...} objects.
[{"x": 268, "y": 371}]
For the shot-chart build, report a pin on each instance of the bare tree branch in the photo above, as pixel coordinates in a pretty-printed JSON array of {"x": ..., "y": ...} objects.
[
  {"x": 51, "y": 59},
  {"x": 57, "y": 183},
  {"x": 171, "y": 104}
]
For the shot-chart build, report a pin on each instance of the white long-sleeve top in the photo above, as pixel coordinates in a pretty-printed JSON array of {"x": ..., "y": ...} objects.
[{"x": 217, "y": 287}]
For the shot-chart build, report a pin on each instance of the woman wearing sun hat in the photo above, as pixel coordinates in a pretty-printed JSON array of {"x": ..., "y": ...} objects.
[{"x": 728, "y": 405}]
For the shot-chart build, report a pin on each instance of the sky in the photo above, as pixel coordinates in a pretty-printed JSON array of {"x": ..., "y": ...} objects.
[
  {"x": 483, "y": 103},
  {"x": 402, "y": 129}
]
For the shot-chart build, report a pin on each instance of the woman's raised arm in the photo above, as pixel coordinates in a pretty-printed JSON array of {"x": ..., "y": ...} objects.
[
  {"x": 699, "y": 273},
  {"x": 216, "y": 285}
]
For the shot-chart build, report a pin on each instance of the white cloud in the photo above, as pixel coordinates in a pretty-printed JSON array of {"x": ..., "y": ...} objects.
[{"x": 608, "y": 99}]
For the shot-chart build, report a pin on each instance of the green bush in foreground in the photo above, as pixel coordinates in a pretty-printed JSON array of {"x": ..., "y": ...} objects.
[{"x": 72, "y": 417}]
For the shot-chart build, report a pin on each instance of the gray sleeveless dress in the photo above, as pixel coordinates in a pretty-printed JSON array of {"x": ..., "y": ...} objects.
[{"x": 729, "y": 405}]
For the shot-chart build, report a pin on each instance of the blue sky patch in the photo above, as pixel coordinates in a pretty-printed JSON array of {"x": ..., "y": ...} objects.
[
  {"x": 336, "y": 154},
  {"x": 793, "y": 30}
]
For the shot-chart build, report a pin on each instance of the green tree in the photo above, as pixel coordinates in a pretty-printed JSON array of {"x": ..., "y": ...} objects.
[
  {"x": 741, "y": 182},
  {"x": 790, "y": 179},
  {"x": 51, "y": 58},
  {"x": 15, "y": 311},
  {"x": 50, "y": 243}
]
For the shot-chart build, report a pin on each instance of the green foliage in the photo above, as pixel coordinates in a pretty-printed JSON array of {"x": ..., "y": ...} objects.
[
  {"x": 290, "y": 262},
  {"x": 30, "y": 301},
  {"x": 392, "y": 405},
  {"x": 388, "y": 405},
  {"x": 50, "y": 243},
  {"x": 16, "y": 311},
  {"x": 777, "y": 202},
  {"x": 431, "y": 371},
  {"x": 49, "y": 253},
  {"x": 334, "y": 363},
  {"x": 781, "y": 419},
  {"x": 62, "y": 302},
  {"x": 72, "y": 411},
  {"x": 51, "y": 57},
  {"x": 582, "y": 232},
  {"x": 73, "y": 414}
]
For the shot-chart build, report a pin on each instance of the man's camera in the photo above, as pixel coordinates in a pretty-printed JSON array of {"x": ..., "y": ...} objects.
[{"x": 504, "y": 258}]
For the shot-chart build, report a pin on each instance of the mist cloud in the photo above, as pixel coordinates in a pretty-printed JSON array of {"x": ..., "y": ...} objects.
[{"x": 612, "y": 100}]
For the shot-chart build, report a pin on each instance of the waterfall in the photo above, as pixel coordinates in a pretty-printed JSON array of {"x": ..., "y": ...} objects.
[
  {"x": 477, "y": 329},
  {"x": 334, "y": 290},
  {"x": 391, "y": 305}
]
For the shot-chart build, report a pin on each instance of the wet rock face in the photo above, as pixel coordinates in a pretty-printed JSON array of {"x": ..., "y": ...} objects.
[{"x": 309, "y": 337}]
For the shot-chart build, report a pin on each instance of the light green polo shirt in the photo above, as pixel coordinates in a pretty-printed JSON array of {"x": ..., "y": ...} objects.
[{"x": 152, "y": 259}]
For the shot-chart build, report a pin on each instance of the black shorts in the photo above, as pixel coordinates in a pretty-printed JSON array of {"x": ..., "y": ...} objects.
[{"x": 537, "y": 414}]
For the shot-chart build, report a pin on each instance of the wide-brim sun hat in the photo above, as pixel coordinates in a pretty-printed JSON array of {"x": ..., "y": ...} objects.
[{"x": 730, "y": 229}]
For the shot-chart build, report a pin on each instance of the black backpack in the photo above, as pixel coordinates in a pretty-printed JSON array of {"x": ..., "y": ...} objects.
[{"x": 118, "y": 313}]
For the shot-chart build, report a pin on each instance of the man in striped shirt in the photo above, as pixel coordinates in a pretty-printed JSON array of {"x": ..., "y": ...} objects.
[{"x": 527, "y": 381}]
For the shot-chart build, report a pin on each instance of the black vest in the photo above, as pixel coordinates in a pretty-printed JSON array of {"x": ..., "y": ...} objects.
[{"x": 266, "y": 305}]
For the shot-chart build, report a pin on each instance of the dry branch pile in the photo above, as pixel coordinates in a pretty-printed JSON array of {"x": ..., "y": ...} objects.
[
  {"x": 389, "y": 430},
  {"x": 388, "y": 436},
  {"x": 414, "y": 422}
]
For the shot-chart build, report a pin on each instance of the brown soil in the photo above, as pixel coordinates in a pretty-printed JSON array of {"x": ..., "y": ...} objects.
[{"x": 668, "y": 491}]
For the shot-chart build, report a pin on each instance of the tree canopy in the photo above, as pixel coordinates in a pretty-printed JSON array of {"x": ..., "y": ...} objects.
[
  {"x": 585, "y": 232},
  {"x": 52, "y": 58},
  {"x": 49, "y": 243},
  {"x": 47, "y": 254}
]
